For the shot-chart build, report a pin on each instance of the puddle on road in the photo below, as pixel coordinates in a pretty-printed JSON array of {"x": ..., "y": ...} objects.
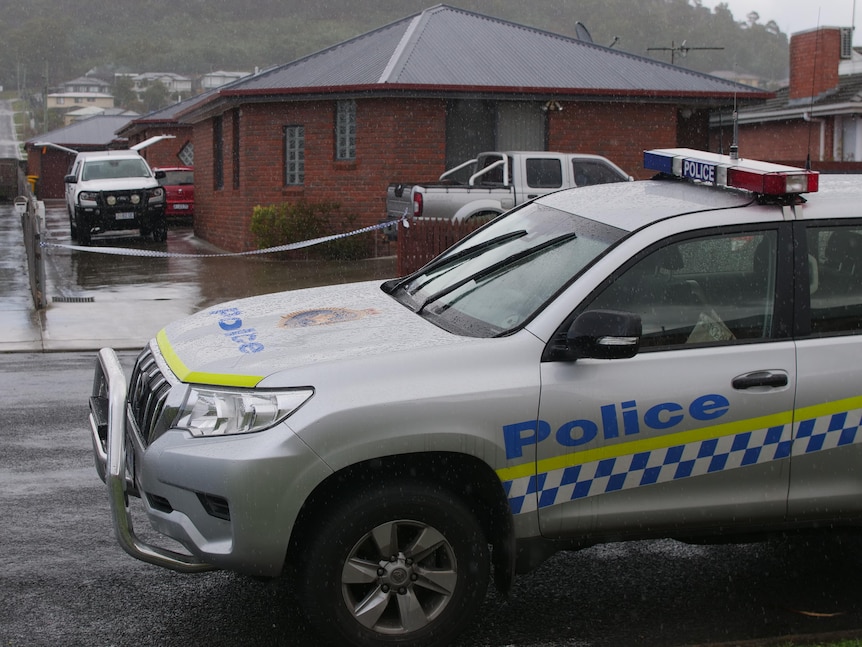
[{"x": 201, "y": 281}]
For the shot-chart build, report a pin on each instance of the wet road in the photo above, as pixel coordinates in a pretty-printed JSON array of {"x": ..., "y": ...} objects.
[{"x": 196, "y": 282}]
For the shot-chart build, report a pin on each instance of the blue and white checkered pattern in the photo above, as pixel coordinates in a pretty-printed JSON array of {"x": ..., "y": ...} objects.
[{"x": 639, "y": 469}]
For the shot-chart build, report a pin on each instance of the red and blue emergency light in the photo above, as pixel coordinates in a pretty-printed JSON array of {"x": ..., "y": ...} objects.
[{"x": 723, "y": 170}]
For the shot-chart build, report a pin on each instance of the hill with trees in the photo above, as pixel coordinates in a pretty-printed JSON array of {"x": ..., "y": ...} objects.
[{"x": 46, "y": 42}]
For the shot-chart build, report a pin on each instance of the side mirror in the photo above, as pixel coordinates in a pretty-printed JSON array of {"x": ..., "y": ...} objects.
[
  {"x": 70, "y": 179},
  {"x": 605, "y": 334},
  {"x": 160, "y": 175}
]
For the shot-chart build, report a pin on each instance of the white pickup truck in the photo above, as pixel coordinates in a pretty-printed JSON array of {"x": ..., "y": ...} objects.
[{"x": 496, "y": 182}]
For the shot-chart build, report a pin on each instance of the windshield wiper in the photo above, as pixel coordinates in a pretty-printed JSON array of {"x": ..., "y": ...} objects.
[
  {"x": 458, "y": 256},
  {"x": 514, "y": 258}
]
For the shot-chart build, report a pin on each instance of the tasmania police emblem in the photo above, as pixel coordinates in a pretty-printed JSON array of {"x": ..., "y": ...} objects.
[{"x": 323, "y": 317}]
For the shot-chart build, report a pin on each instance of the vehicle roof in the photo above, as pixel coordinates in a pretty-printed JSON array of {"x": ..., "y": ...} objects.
[
  {"x": 631, "y": 205},
  {"x": 108, "y": 154},
  {"x": 173, "y": 168}
]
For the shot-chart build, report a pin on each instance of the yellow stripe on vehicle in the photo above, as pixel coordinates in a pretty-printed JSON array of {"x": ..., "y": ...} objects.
[{"x": 200, "y": 377}]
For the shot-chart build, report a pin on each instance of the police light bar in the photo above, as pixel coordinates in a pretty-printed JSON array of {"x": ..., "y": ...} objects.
[{"x": 722, "y": 170}]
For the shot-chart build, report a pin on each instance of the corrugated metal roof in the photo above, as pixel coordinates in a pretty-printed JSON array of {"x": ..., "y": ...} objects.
[
  {"x": 448, "y": 47},
  {"x": 95, "y": 131}
]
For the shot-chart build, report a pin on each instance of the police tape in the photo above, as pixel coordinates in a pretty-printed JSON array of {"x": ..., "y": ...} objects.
[{"x": 129, "y": 251}]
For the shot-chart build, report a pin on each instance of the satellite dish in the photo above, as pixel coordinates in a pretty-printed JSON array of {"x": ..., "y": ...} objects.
[{"x": 582, "y": 32}]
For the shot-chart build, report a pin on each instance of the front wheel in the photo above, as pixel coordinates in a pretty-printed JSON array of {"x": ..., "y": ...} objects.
[
  {"x": 160, "y": 231},
  {"x": 396, "y": 564},
  {"x": 82, "y": 229}
]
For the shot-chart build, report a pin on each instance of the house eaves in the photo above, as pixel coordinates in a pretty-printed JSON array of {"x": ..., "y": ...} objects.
[{"x": 449, "y": 51}]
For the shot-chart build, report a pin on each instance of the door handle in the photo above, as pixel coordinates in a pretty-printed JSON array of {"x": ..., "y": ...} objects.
[{"x": 772, "y": 379}]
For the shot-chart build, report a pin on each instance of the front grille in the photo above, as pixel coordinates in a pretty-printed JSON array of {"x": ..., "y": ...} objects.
[
  {"x": 122, "y": 199},
  {"x": 147, "y": 394}
]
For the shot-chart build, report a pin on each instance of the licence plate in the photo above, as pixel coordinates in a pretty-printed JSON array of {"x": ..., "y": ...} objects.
[
  {"x": 180, "y": 207},
  {"x": 125, "y": 215}
]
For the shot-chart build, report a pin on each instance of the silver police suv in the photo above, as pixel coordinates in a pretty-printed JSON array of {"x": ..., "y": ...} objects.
[
  {"x": 676, "y": 357},
  {"x": 114, "y": 190}
]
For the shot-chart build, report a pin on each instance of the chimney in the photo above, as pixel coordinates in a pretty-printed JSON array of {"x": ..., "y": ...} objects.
[{"x": 814, "y": 58}]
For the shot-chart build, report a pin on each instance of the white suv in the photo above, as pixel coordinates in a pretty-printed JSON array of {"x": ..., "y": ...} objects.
[{"x": 113, "y": 190}]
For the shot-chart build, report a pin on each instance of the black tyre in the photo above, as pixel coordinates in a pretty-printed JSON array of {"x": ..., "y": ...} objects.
[
  {"x": 160, "y": 231},
  {"x": 396, "y": 564},
  {"x": 83, "y": 229},
  {"x": 72, "y": 226}
]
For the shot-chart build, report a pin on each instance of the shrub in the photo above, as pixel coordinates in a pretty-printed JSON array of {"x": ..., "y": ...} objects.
[{"x": 294, "y": 222}]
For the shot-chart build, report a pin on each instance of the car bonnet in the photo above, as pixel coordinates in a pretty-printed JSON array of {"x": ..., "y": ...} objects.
[{"x": 241, "y": 342}]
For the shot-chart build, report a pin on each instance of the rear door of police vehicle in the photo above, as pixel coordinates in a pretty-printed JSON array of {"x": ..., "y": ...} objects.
[
  {"x": 691, "y": 432},
  {"x": 826, "y": 481}
]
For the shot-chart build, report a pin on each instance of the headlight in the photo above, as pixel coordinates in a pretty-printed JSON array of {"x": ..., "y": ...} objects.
[
  {"x": 89, "y": 197},
  {"x": 213, "y": 412},
  {"x": 136, "y": 199},
  {"x": 157, "y": 195},
  {"x": 111, "y": 200}
]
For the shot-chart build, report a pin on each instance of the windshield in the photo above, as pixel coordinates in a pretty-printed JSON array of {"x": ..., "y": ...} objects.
[
  {"x": 498, "y": 278},
  {"x": 115, "y": 168},
  {"x": 176, "y": 178}
]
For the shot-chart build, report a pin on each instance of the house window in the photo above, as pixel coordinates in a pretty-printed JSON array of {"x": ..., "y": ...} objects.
[
  {"x": 345, "y": 130},
  {"x": 294, "y": 155},
  {"x": 187, "y": 154},
  {"x": 218, "y": 154}
]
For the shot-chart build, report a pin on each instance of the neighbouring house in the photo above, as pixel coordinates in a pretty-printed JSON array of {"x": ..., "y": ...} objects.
[
  {"x": 817, "y": 116},
  {"x": 92, "y": 111},
  {"x": 176, "y": 84},
  {"x": 71, "y": 100},
  {"x": 89, "y": 84},
  {"x": 218, "y": 79}
]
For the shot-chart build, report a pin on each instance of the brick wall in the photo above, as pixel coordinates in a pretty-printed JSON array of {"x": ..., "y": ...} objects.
[
  {"x": 620, "y": 132},
  {"x": 397, "y": 139},
  {"x": 389, "y": 146}
]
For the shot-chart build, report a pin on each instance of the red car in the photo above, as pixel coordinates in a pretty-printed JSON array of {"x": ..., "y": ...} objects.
[{"x": 179, "y": 183}]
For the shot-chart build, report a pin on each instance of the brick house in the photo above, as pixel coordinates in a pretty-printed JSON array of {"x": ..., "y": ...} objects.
[
  {"x": 412, "y": 98},
  {"x": 818, "y": 114}
]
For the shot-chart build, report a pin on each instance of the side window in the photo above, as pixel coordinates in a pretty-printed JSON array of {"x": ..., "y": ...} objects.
[
  {"x": 544, "y": 173},
  {"x": 835, "y": 279},
  {"x": 714, "y": 289},
  {"x": 588, "y": 173}
]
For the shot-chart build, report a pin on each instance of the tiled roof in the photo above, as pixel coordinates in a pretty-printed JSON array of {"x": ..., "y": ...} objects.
[
  {"x": 448, "y": 48},
  {"x": 842, "y": 99}
]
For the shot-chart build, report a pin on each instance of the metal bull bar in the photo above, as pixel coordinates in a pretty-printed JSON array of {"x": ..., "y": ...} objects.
[{"x": 108, "y": 427}]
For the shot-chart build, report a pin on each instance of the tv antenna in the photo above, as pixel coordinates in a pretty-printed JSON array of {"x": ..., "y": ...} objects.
[{"x": 682, "y": 49}]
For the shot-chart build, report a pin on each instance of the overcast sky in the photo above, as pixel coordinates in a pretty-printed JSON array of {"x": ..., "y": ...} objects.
[{"x": 797, "y": 15}]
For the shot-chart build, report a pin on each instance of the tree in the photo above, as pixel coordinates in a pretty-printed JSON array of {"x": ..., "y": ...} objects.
[{"x": 156, "y": 96}]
